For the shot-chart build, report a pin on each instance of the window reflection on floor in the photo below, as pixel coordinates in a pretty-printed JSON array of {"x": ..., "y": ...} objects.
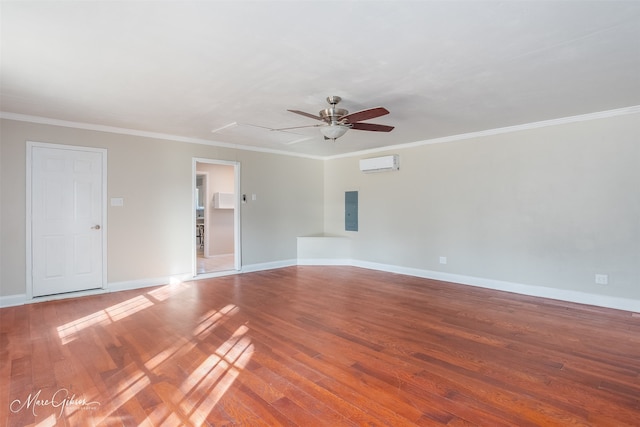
[{"x": 189, "y": 402}]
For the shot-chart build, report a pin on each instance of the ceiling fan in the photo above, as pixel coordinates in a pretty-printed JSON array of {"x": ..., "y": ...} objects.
[{"x": 338, "y": 120}]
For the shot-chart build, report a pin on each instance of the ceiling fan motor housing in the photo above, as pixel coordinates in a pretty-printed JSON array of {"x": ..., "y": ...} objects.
[{"x": 332, "y": 115}]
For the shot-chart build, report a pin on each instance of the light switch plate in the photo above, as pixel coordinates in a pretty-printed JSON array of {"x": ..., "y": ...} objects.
[{"x": 602, "y": 279}]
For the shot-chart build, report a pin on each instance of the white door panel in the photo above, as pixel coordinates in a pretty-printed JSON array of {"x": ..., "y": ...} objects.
[{"x": 66, "y": 220}]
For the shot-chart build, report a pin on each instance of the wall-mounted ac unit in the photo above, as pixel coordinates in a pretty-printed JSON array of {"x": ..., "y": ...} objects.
[
  {"x": 380, "y": 164},
  {"x": 223, "y": 200}
]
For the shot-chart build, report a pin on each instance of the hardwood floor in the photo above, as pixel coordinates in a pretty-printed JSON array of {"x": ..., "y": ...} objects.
[{"x": 315, "y": 346}]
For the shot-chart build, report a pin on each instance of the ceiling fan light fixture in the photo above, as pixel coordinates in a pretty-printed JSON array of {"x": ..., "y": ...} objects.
[
  {"x": 337, "y": 121},
  {"x": 334, "y": 131}
]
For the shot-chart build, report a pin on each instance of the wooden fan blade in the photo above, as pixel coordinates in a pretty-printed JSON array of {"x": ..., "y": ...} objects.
[
  {"x": 359, "y": 116},
  {"x": 372, "y": 127},
  {"x": 302, "y": 113}
]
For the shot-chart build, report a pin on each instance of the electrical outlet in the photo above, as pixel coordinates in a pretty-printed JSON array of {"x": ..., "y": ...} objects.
[
  {"x": 443, "y": 260},
  {"x": 602, "y": 279}
]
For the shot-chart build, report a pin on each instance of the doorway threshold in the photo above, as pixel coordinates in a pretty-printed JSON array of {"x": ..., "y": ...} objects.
[{"x": 213, "y": 274}]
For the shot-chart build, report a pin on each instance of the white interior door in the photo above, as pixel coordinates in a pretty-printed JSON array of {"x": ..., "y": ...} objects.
[{"x": 67, "y": 229}]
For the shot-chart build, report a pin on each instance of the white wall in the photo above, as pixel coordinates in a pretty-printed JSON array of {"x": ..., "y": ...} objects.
[
  {"x": 151, "y": 235},
  {"x": 547, "y": 207}
]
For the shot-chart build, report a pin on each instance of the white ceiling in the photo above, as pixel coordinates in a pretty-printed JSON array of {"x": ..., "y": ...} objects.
[{"x": 441, "y": 68}]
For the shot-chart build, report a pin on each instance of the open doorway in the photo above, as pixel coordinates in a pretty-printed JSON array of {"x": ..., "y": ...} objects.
[{"x": 216, "y": 245}]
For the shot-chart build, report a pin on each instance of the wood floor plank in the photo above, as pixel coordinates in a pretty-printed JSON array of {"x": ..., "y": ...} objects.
[{"x": 318, "y": 346}]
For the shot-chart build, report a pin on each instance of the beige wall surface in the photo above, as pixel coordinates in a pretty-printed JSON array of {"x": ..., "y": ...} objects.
[
  {"x": 151, "y": 235},
  {"x": 286, "y": 205},
  {"x": 547, "y": 207}
]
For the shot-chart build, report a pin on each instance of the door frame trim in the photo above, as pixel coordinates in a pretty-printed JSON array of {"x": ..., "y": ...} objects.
[
  {"x": 237, "y": 237},
  {"x": 29, "y": 172}
]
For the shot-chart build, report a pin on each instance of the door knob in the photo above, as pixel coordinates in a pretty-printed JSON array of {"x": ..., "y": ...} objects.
[{"x": 96, "y": 227}]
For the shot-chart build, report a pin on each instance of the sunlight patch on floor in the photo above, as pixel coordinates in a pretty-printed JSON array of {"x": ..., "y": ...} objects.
[
  {"x": 50, "y": 421},
  {"x": 213, "y": 318},
  {"x": 129, "y": 307},
  {"x": 134, "y": 385},
  {"x": 175, "y": 350},
  {"x": 164, "y": 292},
  {"x": 206, "y": 385},
  {"x": 68, "y": 331}
]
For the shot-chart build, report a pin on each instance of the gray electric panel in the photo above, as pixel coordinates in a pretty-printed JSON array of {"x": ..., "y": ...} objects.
[{"x": 351, "y": 210}]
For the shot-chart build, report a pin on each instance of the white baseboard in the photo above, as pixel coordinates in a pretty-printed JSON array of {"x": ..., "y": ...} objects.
[
  {"x": 324, "y": 261},
  {"x": 22, "y": 299},
  {"x": 518, "y": 288},
  {"x": 128, "y": 285},
  {"x": 13, "y": 300}
]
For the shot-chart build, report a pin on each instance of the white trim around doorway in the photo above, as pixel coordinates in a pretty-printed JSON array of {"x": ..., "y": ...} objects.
[{"x": 237, "y": 256}]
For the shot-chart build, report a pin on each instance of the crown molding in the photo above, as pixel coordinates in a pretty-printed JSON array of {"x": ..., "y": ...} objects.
[
  {"x": 498, "y": 131},
  {"x": 145, "y": 134},
  {"x": 489, "y": 132}
]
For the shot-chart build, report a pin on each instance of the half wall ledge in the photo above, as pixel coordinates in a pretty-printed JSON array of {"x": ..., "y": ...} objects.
[{"x": 324, "y": 249}]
